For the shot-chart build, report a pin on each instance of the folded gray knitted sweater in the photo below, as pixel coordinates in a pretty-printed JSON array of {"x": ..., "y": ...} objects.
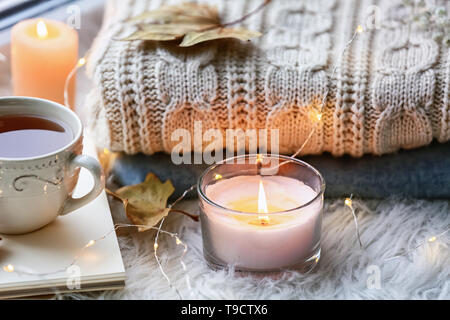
[{"x": 391, "y": 88}]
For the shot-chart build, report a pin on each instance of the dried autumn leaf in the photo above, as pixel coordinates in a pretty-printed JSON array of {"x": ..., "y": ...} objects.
[
  {"x": 143, "y": 35},
  {"x": 193, "y": 37},
  {"x": 191, "y": 22},
  {"x": 146, "y": 203}
]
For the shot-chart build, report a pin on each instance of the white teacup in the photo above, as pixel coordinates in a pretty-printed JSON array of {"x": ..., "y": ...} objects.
[{"x": 35, "y": 190}]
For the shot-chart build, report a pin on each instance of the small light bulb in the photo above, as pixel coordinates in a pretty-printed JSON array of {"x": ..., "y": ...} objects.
[
  {"x": 348, "y": 202},
  {"x": 81, "y": 62},
  {"x": 319, "y": 116},
  {"x": 217, "y": 176},
  {"x": 90, "y": 244},
  {"x": 359, "y": 29},
  {"x": 432, "y": 239},
  {"x": 8, "y": 268},
  {"x": 178, "y": 241},
  {"x": 315, "y": 115},
  {"x": 155, "y": 246}
]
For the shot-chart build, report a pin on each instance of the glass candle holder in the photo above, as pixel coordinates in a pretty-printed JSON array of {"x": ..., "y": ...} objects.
[{"x": 261, "y": 213}]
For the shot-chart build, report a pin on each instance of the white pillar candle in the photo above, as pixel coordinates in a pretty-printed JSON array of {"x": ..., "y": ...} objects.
[{"x": 279, "y": 232}]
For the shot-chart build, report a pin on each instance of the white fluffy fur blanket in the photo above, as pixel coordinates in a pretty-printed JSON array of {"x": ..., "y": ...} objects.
[{"x": 345, "y": 271}]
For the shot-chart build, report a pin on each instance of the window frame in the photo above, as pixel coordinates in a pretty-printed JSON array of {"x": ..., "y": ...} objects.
[{"x": 27, "y": 9}]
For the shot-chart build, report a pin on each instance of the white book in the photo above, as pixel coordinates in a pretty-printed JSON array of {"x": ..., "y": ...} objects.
[{"x": 54, "y": 247}]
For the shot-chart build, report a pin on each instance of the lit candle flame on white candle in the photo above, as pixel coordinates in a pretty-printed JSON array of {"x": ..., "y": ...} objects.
[
  {"x": 262, "y": 204},
  {"x": 41, "y": 29}
]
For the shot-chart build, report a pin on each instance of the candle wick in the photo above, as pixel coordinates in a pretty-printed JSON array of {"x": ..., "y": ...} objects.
[
  {"x": 258, "y": 164},
  {"x": 264, "y": 220}
]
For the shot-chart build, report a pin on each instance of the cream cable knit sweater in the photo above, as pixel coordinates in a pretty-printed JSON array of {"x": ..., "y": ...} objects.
[{"x": 391, "y": 89}]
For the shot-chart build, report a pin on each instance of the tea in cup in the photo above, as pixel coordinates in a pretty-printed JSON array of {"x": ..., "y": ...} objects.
[{"x": 41, "y": 146}]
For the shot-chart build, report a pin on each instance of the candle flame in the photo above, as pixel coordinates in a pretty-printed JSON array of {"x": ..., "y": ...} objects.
[
  {"x": 41, "y": 29},
  {"x": 262, "y": 201}
]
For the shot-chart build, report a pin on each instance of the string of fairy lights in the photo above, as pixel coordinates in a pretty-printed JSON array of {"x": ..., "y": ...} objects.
[
  {"x": 349, "y": 203},
  {"x": 20, "y": 270},
  {"x": 81, "y": 62},
  {"x": 317, "y": 117},
  {"x": 156, "y": 245}
]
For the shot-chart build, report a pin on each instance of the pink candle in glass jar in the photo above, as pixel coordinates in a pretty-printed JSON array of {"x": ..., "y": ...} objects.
[{"x": 261, "y": 222}]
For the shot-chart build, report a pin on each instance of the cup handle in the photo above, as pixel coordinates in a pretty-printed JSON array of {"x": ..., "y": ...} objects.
[{"x": 96, "y": 171}]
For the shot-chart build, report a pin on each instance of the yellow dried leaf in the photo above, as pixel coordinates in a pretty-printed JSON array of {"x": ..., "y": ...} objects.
[
  {"x": 146, "y": 203},
  {"x": 193, "y": 37},
  {"x": 180, "y": 28},
  {"x": 192, "y": 22},
  {"x": 145, "y": 35}
]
